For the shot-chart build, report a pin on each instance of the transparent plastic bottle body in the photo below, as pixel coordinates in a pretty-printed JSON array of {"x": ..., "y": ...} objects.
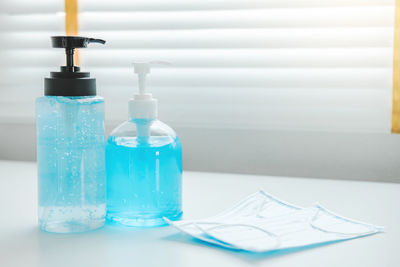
[
  {"x": 144, "y": 174},
  {"x": 71, "y": 163}
]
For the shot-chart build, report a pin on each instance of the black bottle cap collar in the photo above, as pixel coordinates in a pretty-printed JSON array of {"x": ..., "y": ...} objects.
[{"x": 70, "y": 81}]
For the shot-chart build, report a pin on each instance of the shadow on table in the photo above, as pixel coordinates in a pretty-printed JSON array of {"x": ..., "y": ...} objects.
[
  {"x": 247, "y": 255},
  {"x": 44, "y": 249}
]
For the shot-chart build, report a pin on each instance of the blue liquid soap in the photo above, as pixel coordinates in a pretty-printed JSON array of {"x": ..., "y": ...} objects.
[
  {"x": 71, "y": 163},
  {"x": 144, "y": 174},
  {"x": 143, "y": 164}
]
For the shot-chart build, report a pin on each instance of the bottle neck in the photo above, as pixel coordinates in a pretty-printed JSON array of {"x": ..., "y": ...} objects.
[{"x": 143, "y": 128}]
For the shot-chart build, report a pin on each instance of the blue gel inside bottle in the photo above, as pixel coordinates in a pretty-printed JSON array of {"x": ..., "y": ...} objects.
[
  {"x": 144, "y": 174},
  {"x": 71, "y": 163}
]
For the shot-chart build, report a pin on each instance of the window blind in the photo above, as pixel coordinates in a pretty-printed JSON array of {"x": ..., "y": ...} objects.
[{"x": 313, "y": 65}]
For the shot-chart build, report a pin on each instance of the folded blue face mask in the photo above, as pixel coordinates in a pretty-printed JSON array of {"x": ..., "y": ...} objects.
[{"x": 262, "y": 223}]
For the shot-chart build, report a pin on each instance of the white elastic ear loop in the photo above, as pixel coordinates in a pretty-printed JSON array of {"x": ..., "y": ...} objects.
[
  {"x": 207, "y": 231},
  {"x": 261, "y": 207},
  {"x": 313, "y": 218}
]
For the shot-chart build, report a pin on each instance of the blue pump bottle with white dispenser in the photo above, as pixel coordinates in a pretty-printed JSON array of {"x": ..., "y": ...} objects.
[{"x": 144, "y": 164}]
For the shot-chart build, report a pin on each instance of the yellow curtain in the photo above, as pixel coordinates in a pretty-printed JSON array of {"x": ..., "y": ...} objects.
[
  {"x": 396, "y": 72},
  {"x": 71, "y": 21}
]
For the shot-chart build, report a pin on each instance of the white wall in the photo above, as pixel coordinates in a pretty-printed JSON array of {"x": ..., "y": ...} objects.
[{"x": 357, "y": 156}]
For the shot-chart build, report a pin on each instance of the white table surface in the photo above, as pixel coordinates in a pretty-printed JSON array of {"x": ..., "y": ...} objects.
[{"x": 204, "y": 194}]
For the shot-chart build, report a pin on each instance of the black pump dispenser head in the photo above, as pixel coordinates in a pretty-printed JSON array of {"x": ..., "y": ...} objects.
[{"x": 70, "y": 81}]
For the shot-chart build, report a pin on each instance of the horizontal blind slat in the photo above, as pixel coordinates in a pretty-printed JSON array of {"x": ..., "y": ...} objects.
[
  {"x": 319, "y": 119},
  {"x": 268, "y": 18},
  {"x": 32, "y": 22},
  {"x": 212, "y": 96},
  {"x": 223, "y": 38},
  {"x": 278, "y": 78},
  {"x": 151, "y": 5},
  {"x": 52, "y": 6},
  {"x": 250, "y": 38},
  {"x": 207, "y": 58},
  {"x": 31, "y": 7}
]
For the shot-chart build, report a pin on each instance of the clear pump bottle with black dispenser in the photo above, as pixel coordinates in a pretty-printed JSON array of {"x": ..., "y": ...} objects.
[{"x": 71, "y": 147}]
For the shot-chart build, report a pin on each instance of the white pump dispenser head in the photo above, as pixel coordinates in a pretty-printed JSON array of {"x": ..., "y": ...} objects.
[{"x": 143, "y": 105}]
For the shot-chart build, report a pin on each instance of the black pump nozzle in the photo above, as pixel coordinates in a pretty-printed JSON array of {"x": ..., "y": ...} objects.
[
  {"x": 70, "y": 81},
  {"x": 70, "y": 43}
]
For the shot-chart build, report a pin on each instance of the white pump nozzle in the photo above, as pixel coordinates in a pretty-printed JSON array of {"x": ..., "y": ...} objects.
[
  {"x": 143, "y": 105},
  {"x": 142, "y": 69}
]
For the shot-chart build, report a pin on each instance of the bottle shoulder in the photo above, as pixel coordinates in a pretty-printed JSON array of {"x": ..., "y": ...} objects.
[
  {"x": 135, "y": 127},
  {"x": 145, "y": 134},
  {"x": 71, "y": 100}
]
